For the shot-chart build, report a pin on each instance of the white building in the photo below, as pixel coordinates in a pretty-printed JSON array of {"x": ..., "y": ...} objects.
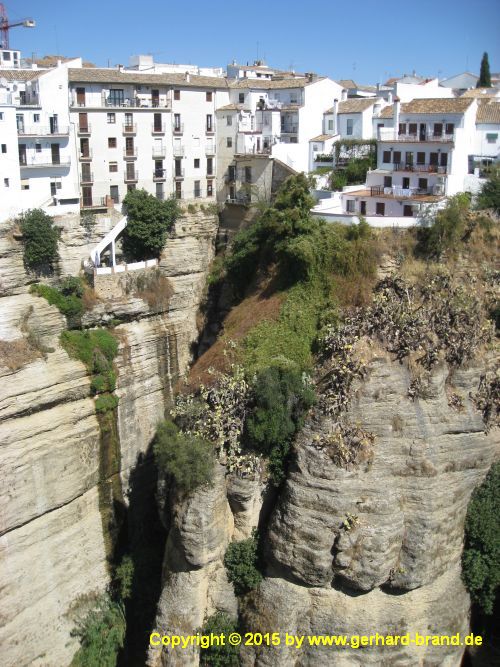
[
  {"x": 460, "y": 82},
  {"x": 487, "y": 143},
  {"x": 38, "y": 166},
  {"x": 423, "y": 156},
  {"x": 143, "y": 130}
]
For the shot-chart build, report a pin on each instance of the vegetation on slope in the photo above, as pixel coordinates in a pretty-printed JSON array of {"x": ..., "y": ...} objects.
[
  {"x": 40, "y": 239},
  {"x": 240, "y": 561}
]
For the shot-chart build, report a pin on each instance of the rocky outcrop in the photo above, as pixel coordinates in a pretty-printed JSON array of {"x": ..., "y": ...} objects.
[
  {"x": 52, "y": 546},
  {"x": 366, "y": 547}
]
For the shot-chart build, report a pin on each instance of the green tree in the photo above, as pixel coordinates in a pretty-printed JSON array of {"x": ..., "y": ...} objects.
[
  {"x": 481, "y": 555},
  {"x": 188, "y": 459},
  {"x": 148, "y": 221},
  {"x": 446, "y": 229},
  {"x": 484, "y": 80},
  {"x": 219, "y": 656},
  {"x": 39, "y": 241},
  {"x": 240, "y": 561},
  {"x": 101, "y": 633},
  {"x": 489, "y": 197}
]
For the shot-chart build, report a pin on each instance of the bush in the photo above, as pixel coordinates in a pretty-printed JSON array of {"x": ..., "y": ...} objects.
[
  {"x": 481, "y": 555},
  {"x": 101, "y": 633},
  {"x": 240, "y": 561},
  {"x": 39, "y": 241},
  {"x": 124, "y": 576},
  {"x": 149, "y": 220},
  {"x": 219, "y": 656},
  {"x": 96, "y": 348},
  {"x": 446, "y": 230},
  {"x": 67, "y": 298},
  {"x": 280, "y": 400},
  {"x": 489, "y": 197},
  {"x": 106, "y": 402},
  {"x": 187, "y": 459},
  {"x": 103, "y": 382}
]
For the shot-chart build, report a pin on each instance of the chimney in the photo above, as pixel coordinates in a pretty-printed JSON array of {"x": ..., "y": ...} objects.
[
  {"x": 389, "y": 97},
  {"x": 120, "y": 68},
  {"x": 343, "y": 95},
  {"x": 188, "y": 77},
  {"x": 335, "y": 115},
  {"x": 396, "y": 112}
]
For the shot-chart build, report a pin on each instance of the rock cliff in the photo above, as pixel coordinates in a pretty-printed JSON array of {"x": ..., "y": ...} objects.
[{"x": 52, "y": 544}]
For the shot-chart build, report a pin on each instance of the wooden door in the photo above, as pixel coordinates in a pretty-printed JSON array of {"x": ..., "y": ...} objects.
[
  {"x": 56, "y": 157},
  {"x": 80, "y": 97}
]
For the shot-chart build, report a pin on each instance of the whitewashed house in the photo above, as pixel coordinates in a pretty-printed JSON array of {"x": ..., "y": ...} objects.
[
  {"x": 487, "y": 141},
  {"x": 38, "y": 165},
  {"x": 141, "y": 130},
  {"x": 423, "y": 157}
]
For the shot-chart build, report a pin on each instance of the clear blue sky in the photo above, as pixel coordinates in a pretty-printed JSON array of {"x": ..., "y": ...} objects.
[{"x": 368, "y": 40}]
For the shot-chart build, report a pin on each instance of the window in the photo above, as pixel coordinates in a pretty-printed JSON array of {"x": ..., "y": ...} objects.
[
  {"x": 177, "y": 122},
  {"x": 409, "y": 159},
  {"x": 111, "y": 142},
  {"x": 293, "y": 140},
  {"x": 231, "y": 172},
  {"x": 422, "y": 184},
  {"x": 157, "y": 124},
  {"x": 380, "y": 208},
  {"x": 402, "y": 128},
  {"x": 362, "y": 207},
  {"x": 130, "y": 187},
  {"x": 210, "y": 188},
  {"x": 491, "y": 137},
  {"x": 177, "y": 94},
  {"x": 6, "y": 55},
  {"x": 420, "y": 158},
  {"x": 229, "y": 120},
  {"x": 111, "y": 118},
  {"x": 229, "y": 142},
  {"x": 433, "y": 159},
  {"x": 4, "y": 148},
  {"x": 387, "y": 181},
  {"x": 159, "y": 169},
  {"x": 241, "y": 98},
  {"x": 129, "y": 120},
  {"x": 450, "y": 128},
  {"x": 349, "y": 126},
  {"x": 116, "y": 98},
  {"x": 208, "y": 97},
  {"x": 25, "y": 184},
  {"x": 36, "y": 117},
  {"x": 412, "y": 128},
  {"x": 113, "y": 167},
  {"x": 1, "y": 115},
  {"x": 438, "y": 129},
  {"x": 196, "y": 162},
  {"x": 210, "y": 166},
  {"x": 209, "y": 122},
  {"x": 330, "y": 125},
  {"x": 6, "y": 182},
  {"x": 406, "y": 183},
  {"x": 386, "y": 157},
  {"x": 38, "y": 148},
  {"x": 350, "y": 205},
  {"x": 248, "y": 174},
  {"x": 159, "y": 191},
  {"x": 408, "y": 211},
  {"x": 197, "y": 189},
  {"x": 396, "y": 157},
  {"x": 114, "y": 193}
]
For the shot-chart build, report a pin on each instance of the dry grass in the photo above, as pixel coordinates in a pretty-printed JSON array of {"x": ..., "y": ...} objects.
[
  {"x": 157, "y": 292},
  {"x": 89, "y": 298},
  {"x": 243, "y": 317},
  {"x": 14, "y": 354}
]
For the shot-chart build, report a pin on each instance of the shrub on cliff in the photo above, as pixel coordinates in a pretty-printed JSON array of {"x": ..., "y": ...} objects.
[
  {"x": 489, "y": 197},
  {"x": 148, "y": 221},
  {"x": 67, "y": 297},
  {"x": 225, "y": 655},
  {"x": 188, "y": 459},
  {"x": 39, "y": 241},
  {"x": 240, "y": 561},
  {"x": 481, "y": 555},
  {"x": 101, "y": 633}
]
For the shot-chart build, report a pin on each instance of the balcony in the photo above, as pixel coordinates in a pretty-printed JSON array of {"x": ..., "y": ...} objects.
[
  {"x": 253, "y": 150},
  {"x": 210, "y": 150},
  {"x": 210, "y": 131},
  {"x": 30, "y": 102},
  {"x": 158, "y": 128},
  {"x": 130, "y": 153},
  {"x": 420, "y": 168},
  {"x": 159, "y": 175},
  {"x": 87, "y": 178},
  {"x": 138, "y": 102},
  {"x": 211, "y": 174},
  {"x": 42, "y": 131},
  {"x": 88, "y": 203},
  {"x": 42, "y": 163},
  {"x": 86, "y": 156},
  {"x": 179, "y": 174},
  {"x": 131, "y": 176},
  {"x": 84, "y": 129},
  {"x": 390, "y": 134},
  {"x": 129, "y": 128},
  {"x": 179, "y": 151},
  {"x": 158, "y": 152},
  {"x": 289, "y": 129},
  {"x": 397, "y": 192},
  {"x": 178, "y": 129}
]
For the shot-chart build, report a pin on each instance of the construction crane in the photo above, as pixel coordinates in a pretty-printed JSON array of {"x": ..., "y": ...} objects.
[{"x": 5, "y": 26}]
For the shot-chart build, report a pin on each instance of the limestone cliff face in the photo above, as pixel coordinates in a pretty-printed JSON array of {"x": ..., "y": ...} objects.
[
  {"x": 365, "y": 548},
  {"x": 52, "y": 546}
]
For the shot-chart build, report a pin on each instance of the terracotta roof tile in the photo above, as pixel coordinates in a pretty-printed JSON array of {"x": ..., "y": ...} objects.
[
  {"x": 95, "y": 75},
  {"x": 22, "y": 74},
  {"x": 430, "y": 106},
  {"x": 488, "y": 112},
  {"x": 322, "y": 137}
]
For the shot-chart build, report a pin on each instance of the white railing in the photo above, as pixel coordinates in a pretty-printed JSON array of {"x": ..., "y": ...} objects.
[{"x": 122, "y": 268}]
